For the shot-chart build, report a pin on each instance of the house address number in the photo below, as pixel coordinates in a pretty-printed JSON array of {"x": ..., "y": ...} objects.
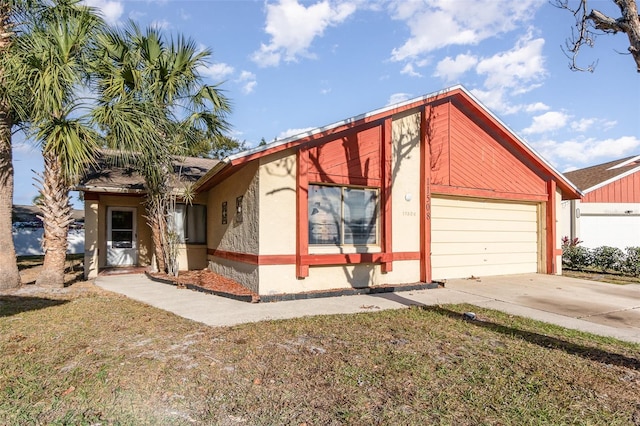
[{"x": 405, "y": 213}]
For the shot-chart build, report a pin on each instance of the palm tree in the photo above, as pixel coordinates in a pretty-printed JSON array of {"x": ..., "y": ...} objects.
[
  {"x": 153, "y": 104},
  {"x": 54, "y": 64},
  {"x": 10, "y": 277}
]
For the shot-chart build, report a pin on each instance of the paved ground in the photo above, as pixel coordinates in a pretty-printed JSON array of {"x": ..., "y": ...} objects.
[{"x": 605, "y": 309}]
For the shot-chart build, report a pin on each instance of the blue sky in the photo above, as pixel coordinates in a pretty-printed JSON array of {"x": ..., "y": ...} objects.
[{"x": 290, "y": 65}]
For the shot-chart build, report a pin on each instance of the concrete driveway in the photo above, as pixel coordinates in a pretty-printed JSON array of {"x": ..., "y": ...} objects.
[
  {"x": 604, "y": 309},
  {"x": 600, "y": 308}
]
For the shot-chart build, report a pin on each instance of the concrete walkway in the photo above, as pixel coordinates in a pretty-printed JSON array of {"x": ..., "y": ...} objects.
[{"x": 604, "y": 309}]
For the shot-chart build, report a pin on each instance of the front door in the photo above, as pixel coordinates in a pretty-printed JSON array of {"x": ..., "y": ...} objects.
[{"x": 121, "y": 236}]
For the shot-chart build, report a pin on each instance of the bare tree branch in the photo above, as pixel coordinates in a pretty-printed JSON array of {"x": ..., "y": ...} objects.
[{"x": 583, "y": 33}]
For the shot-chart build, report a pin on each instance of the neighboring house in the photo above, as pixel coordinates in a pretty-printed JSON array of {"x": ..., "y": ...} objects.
[
  {"x": 28, "y": 231},
  {"x": 116, "y": 227},
  {"x": 609, "y": 212},
  {"x": 432, "y": 188}
]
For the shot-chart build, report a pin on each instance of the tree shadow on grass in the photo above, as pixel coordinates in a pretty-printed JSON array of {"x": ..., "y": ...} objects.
[
  {"x": 587, "y": 352},
  {"x": 13, "y": 305}
]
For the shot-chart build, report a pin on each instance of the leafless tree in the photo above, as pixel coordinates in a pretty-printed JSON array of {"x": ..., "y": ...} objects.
[{"x": 590, "y": 22}]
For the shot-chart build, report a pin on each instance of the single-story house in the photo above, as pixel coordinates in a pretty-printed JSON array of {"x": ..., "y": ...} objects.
[
  {"x": 28, "y": 231},
  {"x": 431, "y": 188},
  {"x": 609, "y": 212}
]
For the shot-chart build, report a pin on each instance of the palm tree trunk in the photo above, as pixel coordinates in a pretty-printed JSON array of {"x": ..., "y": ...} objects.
[
  {"x": 9, "y": 275},
  {"x": 56, "y": 215},
  {"x": 155, "y": 219}
]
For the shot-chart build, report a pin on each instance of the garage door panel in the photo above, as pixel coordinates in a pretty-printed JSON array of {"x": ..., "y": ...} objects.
[
  {"x": 505, "y": 248},
  {"x": 487, "y": 259},
  {"x": 458, "y": 271},
  {"x": 482, "y": 237},
  {"x": 452, "y": 224},
  {"x": 463, "y": 237},
  {"x": 482, "y": 213}
]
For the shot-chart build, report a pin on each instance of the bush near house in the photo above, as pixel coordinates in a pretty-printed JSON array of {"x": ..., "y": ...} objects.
[{"x": 604, "y": 258}]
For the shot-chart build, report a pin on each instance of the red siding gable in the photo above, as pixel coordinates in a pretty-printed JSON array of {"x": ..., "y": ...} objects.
[
  {"x": 625, "y": 190},
  {"x": 353, "y": 159},
  {"x": 465, "y": 155}
]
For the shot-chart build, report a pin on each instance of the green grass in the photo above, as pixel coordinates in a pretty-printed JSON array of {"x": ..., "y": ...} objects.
[{"x": 90, "y": 357}]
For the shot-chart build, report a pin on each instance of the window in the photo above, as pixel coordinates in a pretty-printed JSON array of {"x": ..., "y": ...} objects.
[
  {"x": 190, "y": 223},
  {"x": 342, "y": 215}
]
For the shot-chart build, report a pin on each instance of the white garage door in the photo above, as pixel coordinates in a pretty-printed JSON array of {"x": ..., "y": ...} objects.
[
  {"x": 615, "y": 231},
  {"x": 479, "y": 237}
]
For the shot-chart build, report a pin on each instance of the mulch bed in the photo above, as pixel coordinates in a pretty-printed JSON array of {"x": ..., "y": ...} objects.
[{"x": 208, "y": 282}]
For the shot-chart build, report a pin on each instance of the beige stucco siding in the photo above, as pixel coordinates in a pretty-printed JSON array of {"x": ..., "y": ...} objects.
[
  {"x": 472, "y": 237},
  {"x": 277, "y": 193},
  {"x": 236, "y": 236},
  {"x": 143, "y": 240},
  {"x": 239, "y": 236},
  {"x": 405, "y": 194}
]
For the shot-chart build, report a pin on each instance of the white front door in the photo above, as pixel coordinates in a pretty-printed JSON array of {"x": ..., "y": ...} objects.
[{"x": 121, "y": 236}]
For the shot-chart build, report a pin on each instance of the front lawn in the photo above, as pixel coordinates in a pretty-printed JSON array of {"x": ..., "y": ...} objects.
[{"x": 85, "y": 356}]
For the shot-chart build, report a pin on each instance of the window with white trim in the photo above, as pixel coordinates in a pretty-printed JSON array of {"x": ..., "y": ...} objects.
[
  {"x": 190, "y": 222},
  {"x": 342, "y": 215}
]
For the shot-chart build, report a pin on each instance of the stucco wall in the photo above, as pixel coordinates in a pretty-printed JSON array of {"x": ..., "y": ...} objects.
[
  {"x": 96, "y": 231},
  {"x": 235, "y": 236},
  {"x": 277, "y": 194},
  {"x": 143, "y": 241}
]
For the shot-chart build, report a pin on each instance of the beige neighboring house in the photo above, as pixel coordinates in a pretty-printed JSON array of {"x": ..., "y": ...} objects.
[
  {"x": 116, "y": 230},
  {"x": 432, "y": 188}
]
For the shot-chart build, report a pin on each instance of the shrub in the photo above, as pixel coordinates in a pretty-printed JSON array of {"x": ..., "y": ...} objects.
[
  {"x": 574, "y": 256},
  {"x": 608, "y": 258},
  {"x": 631, "y": 264}
]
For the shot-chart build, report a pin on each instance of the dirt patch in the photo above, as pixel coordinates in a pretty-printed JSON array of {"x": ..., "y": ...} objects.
[{"x": 209, "y": 280}]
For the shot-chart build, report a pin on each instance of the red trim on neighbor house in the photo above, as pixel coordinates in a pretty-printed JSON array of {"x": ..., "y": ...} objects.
[
  {"x": 484, "y": 193},
  {"x": 302, "y": 211},
  {"x": 91, "y": 196},
  {"x": 425, "y": 198},
  {"x": 386, "y": 173},
  {"x": 551, "y": 227}
]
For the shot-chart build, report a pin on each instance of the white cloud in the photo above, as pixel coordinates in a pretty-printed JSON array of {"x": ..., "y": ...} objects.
[
  {"x": 162, "y": 24},
  {"x": 583, "y": 124},
  {"x": 218, "y": 71},
  {"x": 495, "y": 100},
  {"x": 512, "y": 72},
  {"x": 397, "y": 98},
  {"x": 111, "y": 10},
  {"x": 293, "y": 27},
  {"x": 408, "y": 70},
  {"x": 549, "y": 121},
  {"x": 451, "y": 69},
  {"x": 439, "y": 23},
  {"x": 588, "y": 151},
  {"x": 184, "y": 15},
  {"x": 536, "y": 107},
  {"x": 517, "y": 68},
  {"x": 294, "y": 132},
  {"x": 248, "y": 81}
]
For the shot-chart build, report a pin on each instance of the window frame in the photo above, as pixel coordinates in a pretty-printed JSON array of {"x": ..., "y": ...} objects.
[
  {"x": 185, "y": 237},
  {"x": 342, "y": 216}
]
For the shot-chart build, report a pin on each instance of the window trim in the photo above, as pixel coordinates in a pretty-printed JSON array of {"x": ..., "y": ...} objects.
[
  {"x": 374, "y": 247},
  {"x": 184, "y": 240}
]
